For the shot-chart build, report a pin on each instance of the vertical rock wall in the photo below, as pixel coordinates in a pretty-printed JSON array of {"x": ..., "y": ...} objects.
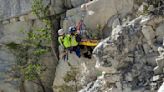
[
  {"x": 13, "y": 32},
  {"x": 98, "y": 12},
  {"x": 11, "y": 8},
  {"x": 9, "y": 33}
]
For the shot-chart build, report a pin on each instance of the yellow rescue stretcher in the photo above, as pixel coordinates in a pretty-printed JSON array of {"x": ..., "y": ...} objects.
[{"x": 92, "y": 43}]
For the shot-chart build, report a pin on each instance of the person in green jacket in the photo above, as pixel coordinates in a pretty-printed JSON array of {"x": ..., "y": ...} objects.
[
  {"x": 65, "y": 43},
  {"x": 75, "y": 39}
]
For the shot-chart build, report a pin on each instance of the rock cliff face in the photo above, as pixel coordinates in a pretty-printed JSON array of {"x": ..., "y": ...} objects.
[
  {"x": 9, "y": 33},
  {"x": 131, "y": 58},
  {"x": 13, "y": 33},
  {"x": 16, "y": 16},
  {"x": 98, "y": 12},
  {"x": 93, "y": 13},
  {"x": 128, "y": 57}
]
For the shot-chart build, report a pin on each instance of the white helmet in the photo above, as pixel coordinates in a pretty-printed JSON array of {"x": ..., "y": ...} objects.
[
  {"x": 61, "y": 32},
  {"x": 83, "y": 7}
]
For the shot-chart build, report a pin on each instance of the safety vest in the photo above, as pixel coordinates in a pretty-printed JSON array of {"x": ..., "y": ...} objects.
[
  {"x": 73, "y": 40},
  {"x": 65, "y": 40}
]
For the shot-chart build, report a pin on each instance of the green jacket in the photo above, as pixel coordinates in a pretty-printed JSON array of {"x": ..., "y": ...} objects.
[
  {"x": 65, "y": 40},
  {"x": 73, "y": 40}
]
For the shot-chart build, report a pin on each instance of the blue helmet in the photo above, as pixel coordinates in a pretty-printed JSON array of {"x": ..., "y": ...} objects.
[{"x": 72, "y": 29}]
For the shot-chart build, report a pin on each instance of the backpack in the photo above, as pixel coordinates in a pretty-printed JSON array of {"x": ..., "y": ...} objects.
[{"x": 78, "y": 38}]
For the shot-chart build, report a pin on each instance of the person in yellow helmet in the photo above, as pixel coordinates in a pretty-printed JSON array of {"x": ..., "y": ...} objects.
[{"x": 65, "y": 43}]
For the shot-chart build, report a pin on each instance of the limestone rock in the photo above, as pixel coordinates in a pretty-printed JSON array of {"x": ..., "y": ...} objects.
[
  {"x": 160, "y": 33},
  {"x": 149, "y": 34},
  {"x": 128, "y": 53},
  {"x": 96, "y": 86},
  {"x": 154, "y": 21},
  {"x": 102, "y": 10},
  {"x": 76, "y": 3},
  {"x": 151, "y": 8},
  {"x": 161, "y": 89},
  {"x": 86, "y": 74},
  {"x": 159, "y": 60},
  {"x": 15, "y": 33},
  {"x": 115, "y": 23},
  {"x": 155, "y": 78},
  {"x": 31, "y": 87},
  {"x": 15, "y": 8},
  {"x": 7, "y": 84},
  {"x": 142, "y": 8}
]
